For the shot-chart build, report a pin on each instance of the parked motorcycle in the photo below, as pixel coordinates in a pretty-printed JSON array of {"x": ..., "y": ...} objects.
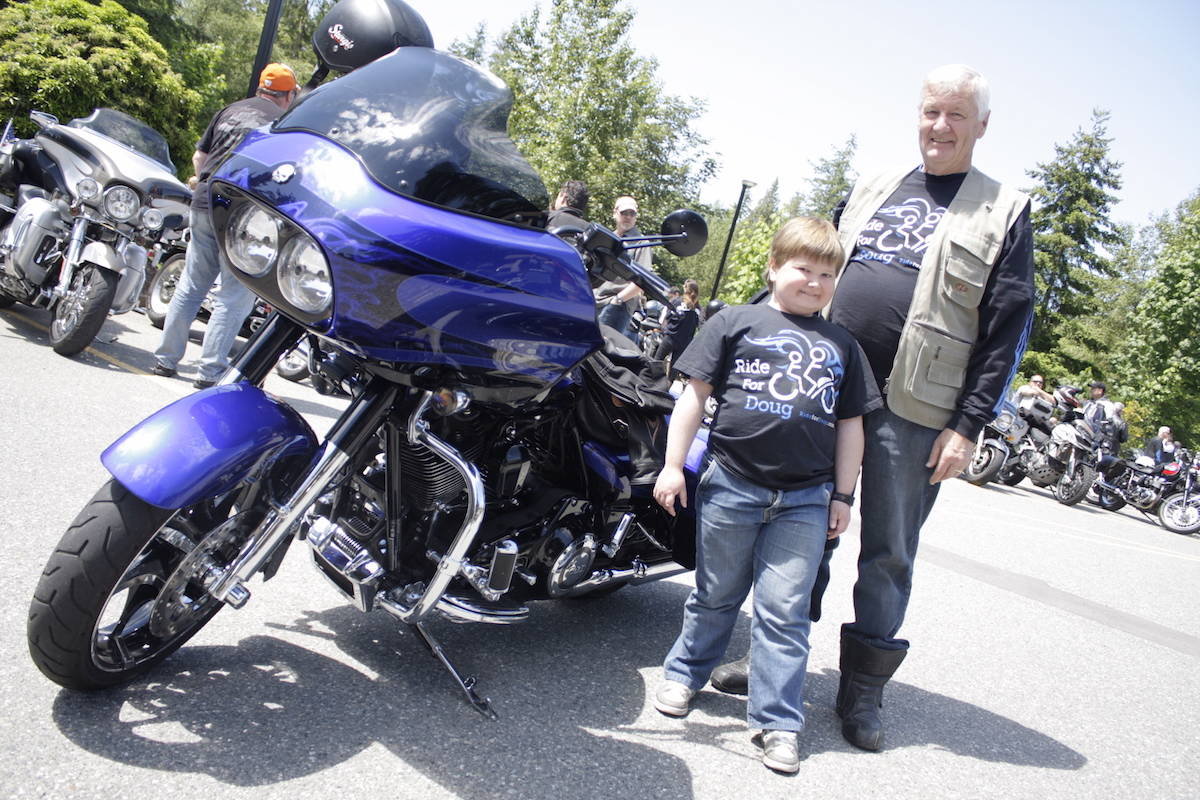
[
  {"x": 997, "y": 443},
  {"x": 1022, "y": 435},
  {"x": 496, "y": 451},
  {"x": 162, "y": 289},
  {"x": 1179, "y": 510},
  {"x": 1136, "y": 482},
  {"x": 81, "y": 207},
  {"x": 1065, "y": 456}
]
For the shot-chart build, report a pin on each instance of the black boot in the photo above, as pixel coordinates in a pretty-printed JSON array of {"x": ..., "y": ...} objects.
[
  {"x": 865, "y": 669},
  {"x": 734, "y": 677}
]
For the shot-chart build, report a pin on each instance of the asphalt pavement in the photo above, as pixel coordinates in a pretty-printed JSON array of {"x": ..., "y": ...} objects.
[{"x": 1055, "y": 654}]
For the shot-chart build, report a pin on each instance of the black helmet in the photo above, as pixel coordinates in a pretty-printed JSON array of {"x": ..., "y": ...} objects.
[
  {"x": 713, "y": 307},
  {"x": 1066, "y": 396},
  {"x": 356, "y": 32}
]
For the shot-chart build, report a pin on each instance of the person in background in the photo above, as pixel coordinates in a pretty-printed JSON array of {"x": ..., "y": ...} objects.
[
  {"x": 680, "y": 324},
  {"x": 570, "y": 206},
  {"x": 1115, "y": 431},
  {"x": 617, "y": 300},
  {"x": 232, "y": 302},
  {"x": 784, "y": 450},
  {"x": 1036, "y": 387},
  {"x": 1164, "y": 446},
  {"x": 938, "y": 290},
  {"x": 1099, "y": 408}
]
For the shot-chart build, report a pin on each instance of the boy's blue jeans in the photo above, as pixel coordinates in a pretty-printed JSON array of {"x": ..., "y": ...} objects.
[{"x": 771, "y": 540}]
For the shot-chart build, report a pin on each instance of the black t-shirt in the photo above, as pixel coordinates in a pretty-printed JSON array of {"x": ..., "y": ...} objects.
[
  {"x": 781, "y": 383},
  {"x": 876, "y": 288},
  {"x": 224, "y": 132}
]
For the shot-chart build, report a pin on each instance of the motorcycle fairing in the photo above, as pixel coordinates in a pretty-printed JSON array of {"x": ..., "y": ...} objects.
[
  {"x": 415, "y": 283},
  {"x": 202, "y": 445}
]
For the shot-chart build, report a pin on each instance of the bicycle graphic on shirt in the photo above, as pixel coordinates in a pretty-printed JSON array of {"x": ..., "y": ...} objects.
[
  {"x": 915, "y": 219},
  {"x": 813, "y": 368}
]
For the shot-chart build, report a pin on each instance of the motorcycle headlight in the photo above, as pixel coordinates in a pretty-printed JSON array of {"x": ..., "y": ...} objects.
[
  {"x": 1003, "y": 421},
  {"x": 87, "y": 189},
  {"x": 253, "y": 240},
  {"x": 121, "y": 203},
  {"x": 304, "y": 277},
  {"x": 152, "y": 218}
]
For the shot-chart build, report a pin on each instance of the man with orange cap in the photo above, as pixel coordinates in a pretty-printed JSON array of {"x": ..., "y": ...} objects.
[{"x": 233, "y": 302}]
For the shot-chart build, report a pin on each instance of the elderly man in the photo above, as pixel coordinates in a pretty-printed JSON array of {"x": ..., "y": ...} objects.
[{"x": 938, "y": 290}]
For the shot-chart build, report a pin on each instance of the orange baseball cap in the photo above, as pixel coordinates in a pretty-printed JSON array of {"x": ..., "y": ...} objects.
[{"x": 277, "y": 78}]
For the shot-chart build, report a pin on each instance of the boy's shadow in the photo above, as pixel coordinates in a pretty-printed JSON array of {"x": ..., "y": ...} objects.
[{"x": 568, "y": 685}]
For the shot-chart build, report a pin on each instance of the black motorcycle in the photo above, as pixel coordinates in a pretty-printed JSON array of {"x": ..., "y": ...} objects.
[
  {"x": 1137, "y": 482},
  {"x": 82, "y": 208},
  {"x": 496, "y": 450}
]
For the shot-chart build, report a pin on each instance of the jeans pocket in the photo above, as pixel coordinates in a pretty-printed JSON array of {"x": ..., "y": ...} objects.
[{"x": 710, "y": 466}]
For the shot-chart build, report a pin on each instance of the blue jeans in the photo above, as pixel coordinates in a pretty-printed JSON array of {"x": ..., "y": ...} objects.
[
  {"x": 617, "y": 317},
  {"x": 896, "y": 499},
  {"x": 232, "y": 303},
  {"x": 771, "y": 540}
]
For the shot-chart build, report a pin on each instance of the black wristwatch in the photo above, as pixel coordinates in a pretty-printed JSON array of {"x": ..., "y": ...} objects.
[{"x": 848, "y": 499}]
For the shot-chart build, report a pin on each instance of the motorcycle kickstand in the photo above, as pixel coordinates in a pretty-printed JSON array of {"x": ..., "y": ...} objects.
[{"x": 481, "y": 704}]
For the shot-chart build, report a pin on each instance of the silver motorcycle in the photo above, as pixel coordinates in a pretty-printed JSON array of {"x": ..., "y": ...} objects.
[{"x": 85, "y": 208}]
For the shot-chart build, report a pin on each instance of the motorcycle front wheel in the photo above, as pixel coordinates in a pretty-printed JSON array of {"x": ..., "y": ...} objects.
[
  {"x": 1073, "y": 486},
  {"x": 985, "y": 464},
  {"x": 1179, "y": 516},
  {"x": 162, "y": 289},
  {"x": 123, "y": 591},
  {"x": 80, "y": 314}
]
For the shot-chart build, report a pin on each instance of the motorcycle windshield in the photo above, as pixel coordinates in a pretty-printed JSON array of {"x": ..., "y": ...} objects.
[
  {"x": 428, "y": 125},
  {"x": 133, "y": 133}
]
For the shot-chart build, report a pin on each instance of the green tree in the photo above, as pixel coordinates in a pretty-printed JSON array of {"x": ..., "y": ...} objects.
[
  {"x": 1073, "y": 234},
  {"x": 1160, "y": 363},
  {"x": 68, "y": 57},
  {"x": 832, "y": 179},
  {"x": 588, "y": 107}
]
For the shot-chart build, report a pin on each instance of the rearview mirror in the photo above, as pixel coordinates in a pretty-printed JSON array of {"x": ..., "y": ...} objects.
[{"x": 690, "y": 230}]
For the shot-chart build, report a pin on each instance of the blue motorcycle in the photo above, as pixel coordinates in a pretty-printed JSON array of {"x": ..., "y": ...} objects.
[{"x": 498, "y": 448}]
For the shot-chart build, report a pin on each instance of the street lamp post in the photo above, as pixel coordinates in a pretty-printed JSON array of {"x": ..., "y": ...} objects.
[
  {"x": 266, "y": 41},
  {"x": 746, "y": 184}
]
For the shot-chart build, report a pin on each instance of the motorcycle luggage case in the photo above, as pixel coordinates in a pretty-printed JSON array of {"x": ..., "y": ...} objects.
[{"x": 33, "y": 235}]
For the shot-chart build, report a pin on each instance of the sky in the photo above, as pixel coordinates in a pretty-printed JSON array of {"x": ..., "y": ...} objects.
[{"x": 786, "y": 83}]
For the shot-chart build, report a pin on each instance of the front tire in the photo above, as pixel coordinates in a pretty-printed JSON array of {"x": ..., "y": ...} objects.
[
  {"x": 79, "y": 315},
  {"x": 119, "y": 594},
  {"x": 294, "y": 365},
  {"x": 1073, "y": 487},
  {"x": 1178, "y": 516},
  {"x": 162, "y": 289},
  {"x": 986, "y": 463}
]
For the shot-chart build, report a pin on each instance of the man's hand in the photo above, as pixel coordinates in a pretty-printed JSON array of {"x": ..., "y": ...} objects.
[
  {"x": 839, "y": 518},
  {"x": 669, "y": 486},
  {"x": 950, "y": 454}
]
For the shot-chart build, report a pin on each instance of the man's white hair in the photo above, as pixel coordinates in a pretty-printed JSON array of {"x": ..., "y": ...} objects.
[
  {"x": 959, "y": 78},
  {"x": 1163, "y": 429}
]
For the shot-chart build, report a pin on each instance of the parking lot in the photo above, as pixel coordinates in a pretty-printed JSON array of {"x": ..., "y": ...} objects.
[{"x": 1055, "y": 654}]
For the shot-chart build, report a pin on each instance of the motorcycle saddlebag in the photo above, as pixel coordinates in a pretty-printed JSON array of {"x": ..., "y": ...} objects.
[{"x": 625, "y": 398}]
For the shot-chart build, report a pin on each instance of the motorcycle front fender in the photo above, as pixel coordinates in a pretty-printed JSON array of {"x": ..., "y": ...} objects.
[
  {"x": 204, "y": 444},
  {"x": 129, "y": 264}
]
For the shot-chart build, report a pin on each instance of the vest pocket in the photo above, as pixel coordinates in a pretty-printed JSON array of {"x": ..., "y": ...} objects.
[
  {"x": 940, "y": 370},
  {"x": 966, "y": 274}
]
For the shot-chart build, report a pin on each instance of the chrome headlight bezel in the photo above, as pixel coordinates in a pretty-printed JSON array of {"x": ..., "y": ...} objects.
[
  {"x": 121, "y": 202},
  {"x": 152, "y": 219},
  {"x": 252, "y": 242},
  {"x": 304, "y": 276},
  {"x": 87, "y": 189}
]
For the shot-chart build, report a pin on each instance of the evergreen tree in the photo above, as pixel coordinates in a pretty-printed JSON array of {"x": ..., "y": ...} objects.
[
  {"x": 68, "y": 57},
  {"x": 588, "y": 107},
  {"x": 1073, "y": 234},
  {"x": 832, "y": 180},
  {"x": 1160, "y": 364}
]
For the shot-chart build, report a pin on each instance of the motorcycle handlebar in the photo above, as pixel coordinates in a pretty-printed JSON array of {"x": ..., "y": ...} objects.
[{"x": 609, "y": 260}]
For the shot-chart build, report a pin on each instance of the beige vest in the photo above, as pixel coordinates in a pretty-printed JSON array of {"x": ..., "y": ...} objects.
[{"x": 943, "y": 321}]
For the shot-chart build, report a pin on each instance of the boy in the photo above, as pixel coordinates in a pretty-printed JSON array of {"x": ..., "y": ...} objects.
[{"x": 785, "y": 448}]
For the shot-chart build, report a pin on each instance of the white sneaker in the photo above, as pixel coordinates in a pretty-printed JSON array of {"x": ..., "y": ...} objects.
[
  {"x": 781, "y": 751},
  {"x": 672, "y": 698}
]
